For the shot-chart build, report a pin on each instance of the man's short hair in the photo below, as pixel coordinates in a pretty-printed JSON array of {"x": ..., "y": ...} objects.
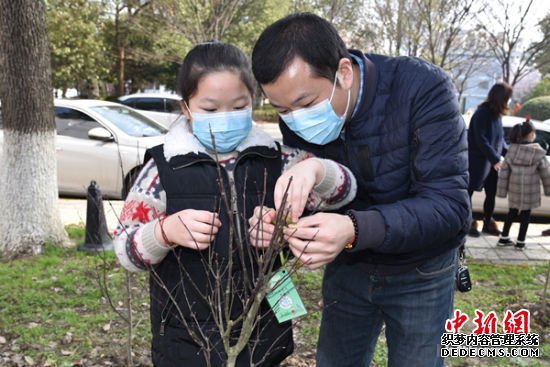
[{"x": 303, "y": 35}]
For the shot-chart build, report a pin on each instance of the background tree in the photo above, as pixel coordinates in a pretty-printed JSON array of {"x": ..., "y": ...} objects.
[
  {"x": 199, "y": 21},
  {"x": 28, "y": 191},
  {"x": 77, "y": 46},
  {"x": 505, "y": 24},
  {"x": 123, "y": 17},
  {"x": 542, "y": 59},
  {"x": 251, "y": 19}
]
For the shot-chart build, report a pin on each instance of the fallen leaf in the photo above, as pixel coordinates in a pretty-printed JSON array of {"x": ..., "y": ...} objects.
[
  {"x": 68, "y": 338},
  {"x": 106, "y": 327},
  {"x": 2, "y": 340},
  {"x": 29, "y": 360}
]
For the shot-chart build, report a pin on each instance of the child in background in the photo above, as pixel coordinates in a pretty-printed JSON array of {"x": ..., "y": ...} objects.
[
  {"x": 172, "y": 213},
  {"x": 525, "y": 165}
]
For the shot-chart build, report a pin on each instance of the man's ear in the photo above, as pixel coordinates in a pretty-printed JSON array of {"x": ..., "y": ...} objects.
[
  {"x": 185, "y": 110},
  {"x": 345, "y": 73}
]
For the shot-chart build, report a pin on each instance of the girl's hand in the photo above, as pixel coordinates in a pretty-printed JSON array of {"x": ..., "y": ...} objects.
[
  {"x": 305, "y": 175},
  {"x": 261, "y": 226},
  {"x": 194, "y": 229}
]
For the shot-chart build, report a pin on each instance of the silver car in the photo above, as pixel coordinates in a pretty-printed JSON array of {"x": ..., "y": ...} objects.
[
  {"x": 101, "y": 141},
  {"x": 164, "y": 108}
]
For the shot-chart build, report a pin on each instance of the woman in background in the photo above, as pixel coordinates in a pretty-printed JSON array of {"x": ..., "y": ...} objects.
[{"x": 485, "y": 152}]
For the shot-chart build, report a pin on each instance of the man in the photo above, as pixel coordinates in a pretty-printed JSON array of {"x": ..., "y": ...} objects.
[{"x": 391, "y": 255}]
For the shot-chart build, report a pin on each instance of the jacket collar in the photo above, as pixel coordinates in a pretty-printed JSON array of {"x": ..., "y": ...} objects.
[
  {"x": 181, "y": 141},
  {"x": 370, "y": 81}
]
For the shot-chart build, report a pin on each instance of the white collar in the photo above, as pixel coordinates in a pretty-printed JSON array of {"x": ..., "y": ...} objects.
[{"x": 180, "y": 141}]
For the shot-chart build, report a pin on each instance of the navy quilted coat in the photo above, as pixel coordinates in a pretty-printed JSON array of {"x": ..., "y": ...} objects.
[{"x": 407, "y": 146}]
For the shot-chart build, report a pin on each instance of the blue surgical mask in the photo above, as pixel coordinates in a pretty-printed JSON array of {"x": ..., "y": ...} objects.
[
  {"x": 228, "y": 128},
  {"x": 318, "y": 124}
]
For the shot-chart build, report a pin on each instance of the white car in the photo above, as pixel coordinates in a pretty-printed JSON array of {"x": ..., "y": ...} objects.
[
  {"x": 543, "y": 138},
  {"x": 100, "y": 141},
  {"x": 164, "y": 108}
]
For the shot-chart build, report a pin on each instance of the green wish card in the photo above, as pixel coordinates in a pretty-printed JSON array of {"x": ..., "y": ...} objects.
[{"x": 283, "y": 297}]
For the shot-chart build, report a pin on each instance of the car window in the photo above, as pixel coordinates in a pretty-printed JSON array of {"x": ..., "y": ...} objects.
[
  {"x": 73, "y": 123},
  {"x": 131, "y": 102},
  {"x": 129, "y": 121},
  {"x": 149, "y": 104},
  {"x": 172, "y": 106},
  {"x": 543, "y": 138}
]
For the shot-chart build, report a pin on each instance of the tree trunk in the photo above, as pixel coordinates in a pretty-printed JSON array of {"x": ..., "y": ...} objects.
[{"x": 28, "y": 181}]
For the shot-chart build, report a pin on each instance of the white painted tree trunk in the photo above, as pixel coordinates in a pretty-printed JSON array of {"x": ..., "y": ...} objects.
[{"x": 29, "y": 215}]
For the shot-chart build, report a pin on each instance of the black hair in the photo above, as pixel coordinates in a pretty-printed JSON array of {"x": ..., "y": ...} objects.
[
  {"x": 520, "y": 132},
  {"x": 303, "y": 35},
  {"x": 209, "y": 57},
  {"x": 497, "y": 99}
]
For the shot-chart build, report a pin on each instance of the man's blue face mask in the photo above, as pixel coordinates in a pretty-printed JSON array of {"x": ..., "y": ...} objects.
[
  {"x": 229, "y": 128},
  {"x": 318, "y": 124}
]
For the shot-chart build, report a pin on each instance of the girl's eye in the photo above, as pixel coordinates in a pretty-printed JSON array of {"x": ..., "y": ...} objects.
[
  {"x": 240, "y": 108},
  {"x": 210, "y": 109}
]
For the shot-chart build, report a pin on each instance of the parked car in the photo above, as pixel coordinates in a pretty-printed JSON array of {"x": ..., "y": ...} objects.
[
  {"x": 161, "y": 107},
  {"x": 543, "y": 138},
  {"x": 101, "y": 141}
]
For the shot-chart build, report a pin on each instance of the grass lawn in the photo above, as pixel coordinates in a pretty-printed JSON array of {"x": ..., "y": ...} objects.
[{"x": 53, "y": 312}]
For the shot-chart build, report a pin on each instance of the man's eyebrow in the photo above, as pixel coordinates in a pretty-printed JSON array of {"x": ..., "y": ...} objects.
[{"x": 300, "y": 98}]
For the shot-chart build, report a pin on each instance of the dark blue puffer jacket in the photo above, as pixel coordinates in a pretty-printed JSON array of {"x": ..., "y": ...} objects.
[{"x": 406, "y": 145}]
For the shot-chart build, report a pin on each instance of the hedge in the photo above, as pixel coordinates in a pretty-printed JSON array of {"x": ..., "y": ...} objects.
[{"x": 538, "y": 108}]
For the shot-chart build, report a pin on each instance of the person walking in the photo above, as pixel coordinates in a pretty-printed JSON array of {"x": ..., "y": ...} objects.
[
  {"x": 524, "y": 167},
  {"x": 486, "y": 147}
]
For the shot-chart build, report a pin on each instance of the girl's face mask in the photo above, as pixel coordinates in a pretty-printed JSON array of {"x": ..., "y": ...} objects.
[
  {"x": 318, "y": 124},
  {"x": 228, "y": 128}
]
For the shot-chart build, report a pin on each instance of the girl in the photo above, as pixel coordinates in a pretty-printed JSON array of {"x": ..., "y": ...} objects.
[
  {"x": 485, "y": 152},
  {"x": 175, "y": 210},
  {"x": 523, "y": 169}
]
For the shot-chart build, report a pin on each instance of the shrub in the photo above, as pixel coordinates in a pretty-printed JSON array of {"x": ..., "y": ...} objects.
[
  {"x": 541, "y": 89},
  {"x": 266, "y": 113},
  {"x": 538, "y": 108}
]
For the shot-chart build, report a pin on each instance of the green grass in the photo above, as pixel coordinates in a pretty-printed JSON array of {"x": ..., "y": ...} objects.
[
  {"x": 53, "y": 311},
  {"x": 496, "y": 288}
]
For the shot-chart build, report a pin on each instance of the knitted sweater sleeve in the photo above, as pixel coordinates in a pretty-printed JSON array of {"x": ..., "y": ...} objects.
[
  {"x": 337, "y": 187},
  {"x": 135, "y": 243}
]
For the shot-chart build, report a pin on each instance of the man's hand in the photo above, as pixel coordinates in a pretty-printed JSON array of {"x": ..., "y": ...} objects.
[{"x": 317, "y": 240}]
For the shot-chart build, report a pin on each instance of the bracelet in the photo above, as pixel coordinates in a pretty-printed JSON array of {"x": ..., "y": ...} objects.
[
  {"x": 164, "y": 237},
  {"x": 353, "y": 241}
]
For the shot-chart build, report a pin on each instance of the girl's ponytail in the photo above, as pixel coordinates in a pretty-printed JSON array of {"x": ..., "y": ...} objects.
[{"x": 520, "y": 132}]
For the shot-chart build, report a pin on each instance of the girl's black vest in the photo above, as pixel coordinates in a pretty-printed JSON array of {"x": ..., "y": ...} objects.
[{"x": 192, "y": 181}]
